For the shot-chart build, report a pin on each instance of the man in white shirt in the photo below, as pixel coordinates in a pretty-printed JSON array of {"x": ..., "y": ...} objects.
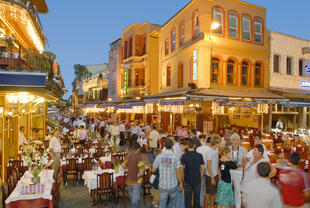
[
  {"x": 82, "y": 135},
  {"x": 122, "y": 130},
  {"x": 114, "y": 131},
  {"x": 257, "y": 140},
  {"x": 135, "y": 131},
  {"x": 55, "y": 148},
  {"x": 259, "y": 192},
  {"x": 153, "y": 140},
  {"x": 101, "y": 126},
  {"x": 22, "y": 139},
  {"x": 212, "y": 177},
  {"x": 279, "y": 124}
]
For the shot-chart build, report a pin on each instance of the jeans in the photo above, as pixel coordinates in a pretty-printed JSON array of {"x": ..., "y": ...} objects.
[
  {"x": 191, "y": 190},
  {"x": 163, "y": 197},
  {"x": 202, "y": 191},
  {"x": 152, "y": 155},
  {"x": 134, "y": 192}
]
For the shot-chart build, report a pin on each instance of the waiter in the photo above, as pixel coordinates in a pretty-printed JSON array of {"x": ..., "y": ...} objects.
[
  {"x": 280, "y": 125},
  {"x": 55, "y": 148}
]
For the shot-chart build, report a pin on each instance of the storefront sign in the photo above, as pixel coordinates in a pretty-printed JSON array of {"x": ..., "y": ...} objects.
[
  {"x": 305, "y": 83},
  {"x": 239, "y": 104},
  {"x": 206, "y": 99},
  {"x": 195, "y": 65},
  {"x": 307, "y": 68},
  {"x": 271, "y": 101}
]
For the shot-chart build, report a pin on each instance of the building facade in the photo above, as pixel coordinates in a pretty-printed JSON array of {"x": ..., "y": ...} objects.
[
  {"x": 290, "y": 78},
  {"x": 219, "y": 48},
  {"x": 114, "y": 69},
  {"x": 139, "y": 64}
]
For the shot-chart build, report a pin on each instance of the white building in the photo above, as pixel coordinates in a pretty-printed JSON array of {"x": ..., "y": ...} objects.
[{"x": 289, "y": 78}]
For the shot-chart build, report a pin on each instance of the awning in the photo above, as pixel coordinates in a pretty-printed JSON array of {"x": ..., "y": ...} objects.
[
  {"x": 298, "y": 103},
  {"x": 151, "y": 100},
  {"x": 173, "y": 102},
  {"x": 124, "y": 106},
  {"x": 262, "y": 94},
  {"x": 22, "y": 78},
  {"x": 168, "y": 94},
  {"x": 205, "y": 98},
  {"x": 137, "y": 103},
  {"x": 90, "y": 105},
  {"x": 239, "y": 104},
  {"x": 104, "y": 105}
]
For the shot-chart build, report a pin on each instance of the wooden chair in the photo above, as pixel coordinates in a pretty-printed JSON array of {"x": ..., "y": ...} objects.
[
  {"x": 146, "y": 183},
  {"x": 16, "y": 164},
  {"x": 122, "y": 187},
  {"x": 11, "y": 184},
  {"x": 5, "y": 193},
  {"x": 65, "y": 151},
  {"x": 105, "y": 186},
  {"x": 71, "y": 169}
]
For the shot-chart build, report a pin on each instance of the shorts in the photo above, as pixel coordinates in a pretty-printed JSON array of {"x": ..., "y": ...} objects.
[{"x": 211, "y": 189}]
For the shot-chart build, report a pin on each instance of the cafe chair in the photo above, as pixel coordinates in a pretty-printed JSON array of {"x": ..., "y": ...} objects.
[
  {"x": 16, "y": 164},
  {"x": 105, "y": 186},
  {"x": 71, "y": 170},
  {"x": 146, "y": 183},
  {"x": 5, "y": 193},
  {"x": 122, "y": 187}
]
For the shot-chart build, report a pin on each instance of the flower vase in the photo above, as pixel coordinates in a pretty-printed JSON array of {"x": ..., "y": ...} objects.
[{"x": 35, "y": 180}]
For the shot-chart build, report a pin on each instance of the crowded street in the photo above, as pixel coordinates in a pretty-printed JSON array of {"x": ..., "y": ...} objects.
[{"x": 154, "y": 104}]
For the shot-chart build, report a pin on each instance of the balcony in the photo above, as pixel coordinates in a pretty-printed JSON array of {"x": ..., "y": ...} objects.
[
  {"x": 133, "y": 92},
  {"x": 127, "y": 63},
  {"x": 13, "y": 10}
]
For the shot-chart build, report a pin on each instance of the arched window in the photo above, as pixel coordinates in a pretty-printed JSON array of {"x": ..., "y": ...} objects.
[
  {"x": 215, "y": 70},
  {"x": 180, "y": 76},
  {"x": 181, "y": 33},
  {"x": 233, "y": 25},
  {"x": 258, "y": 30},
  {"x": 173, "y": 39},
  {"x": 168, "y": 76},
  {"x": 195, "y": 24},
  {"x": 230, "y": 72},
  {"x": 245, "y": 73},
  {"x": 246, "y": 28},
  {"x": 258, "y": 75},
  {"x": 218, "y": 17}
]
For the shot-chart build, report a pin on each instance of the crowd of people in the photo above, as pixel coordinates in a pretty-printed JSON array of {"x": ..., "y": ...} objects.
[{"x": 190, "y": 169}]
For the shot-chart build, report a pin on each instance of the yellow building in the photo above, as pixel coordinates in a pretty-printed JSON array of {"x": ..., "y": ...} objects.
[
  {"x": 29, "y": 77},
  {"x": 139, "y": 65},
  {"x": 217, "y": 48}
]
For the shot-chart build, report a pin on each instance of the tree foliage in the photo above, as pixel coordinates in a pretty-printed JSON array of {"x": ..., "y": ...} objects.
[{"x": 80, "y": 71}]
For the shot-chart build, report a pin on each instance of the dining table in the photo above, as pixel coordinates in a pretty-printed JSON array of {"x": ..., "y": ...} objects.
[{"x": 31, "y": 195}]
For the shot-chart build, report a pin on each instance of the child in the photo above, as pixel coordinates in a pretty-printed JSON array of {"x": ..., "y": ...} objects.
[
  {"x": 155, "y": 181},
  {"x": 224, "y": 194}
]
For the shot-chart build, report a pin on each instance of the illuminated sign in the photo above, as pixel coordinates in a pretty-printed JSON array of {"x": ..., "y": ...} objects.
[
  {"x": 125, "y": 82},
  {"x": 305, "y": 83},
  {"x": 195, "y": 66}
]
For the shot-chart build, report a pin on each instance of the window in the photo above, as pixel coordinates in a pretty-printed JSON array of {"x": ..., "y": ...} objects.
[
  {"x": 139, "y": 77},
  {"x": 172, "y": 40},
  {"x": 218, "y": 17},
  {"x": 215, "y": 70},
  {"x": 244, "y": 73},
  {"x": 195, "y": 24},
  {"x": 181, "y": 33},
  {"x": 233, "y": 25},
  {"x": 258, "y": 31},
  {"x": 246, "y": 28},
  {"x": 289, "y": 65},
  {"x": 258, "y": 75},
  {"x": 301, "y": 67},
  {"x": 180, "y": 76},
  {"x": 230, "y": 71},
  {"x": 168, "y": 76},
  {"x": 276, "y": 63},
  {"x": 140, "y": 45},
  {"x": 130, "y": 48},
  {"x": 166, "y": 47},
  {"x": 125, "y": 49}
]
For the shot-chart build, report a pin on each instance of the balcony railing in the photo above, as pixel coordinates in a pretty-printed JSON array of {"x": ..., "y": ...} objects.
[{"x": 138, "y": 91}]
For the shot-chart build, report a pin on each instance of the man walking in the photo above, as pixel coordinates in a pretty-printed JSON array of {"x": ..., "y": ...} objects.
[
  {"x": 153, "y": 140},
  {"x": 170, "y": 173},
  {"x": 194, "y": 169},
  {"x": 55, "y": 148}
]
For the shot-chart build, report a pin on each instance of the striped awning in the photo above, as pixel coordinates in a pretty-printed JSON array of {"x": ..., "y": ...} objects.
[
  {"x": 173, "y": 102},
  {"x": 104, "y": 105},
  {"x": 297, "y": 103},
  {"x": 22, "y": 78}
]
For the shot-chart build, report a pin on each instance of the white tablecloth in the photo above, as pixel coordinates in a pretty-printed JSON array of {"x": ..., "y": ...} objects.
[
  {"x": 46, "y": 178},
  {"x": 90, "y": 177}
]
